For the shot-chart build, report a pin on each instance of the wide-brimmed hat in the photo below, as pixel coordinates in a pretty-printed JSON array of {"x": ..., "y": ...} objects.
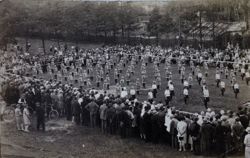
[{"x": 248, "y": 130}]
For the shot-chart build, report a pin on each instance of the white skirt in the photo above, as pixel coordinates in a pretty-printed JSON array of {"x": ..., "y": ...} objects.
[{"x": 247, "y": 152}]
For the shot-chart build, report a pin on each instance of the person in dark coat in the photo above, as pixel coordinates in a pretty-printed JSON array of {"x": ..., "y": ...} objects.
[
  {"x": 228, "y": 137},
  {"x": 173, "y": 130},
  {"x": 194, "y": 131},
  {"x": 29, "y": 100},
  {"x": 136, "y": 121},
  {"x": 238, "y": 135},
  {"x": 93, "y": 108},
  {"x": 155, "y": 127},
  {"x": 76, "y": 110},
  {"x": 123, "y": 123},
  {"x": 147, "y": 124},
  {"x": 163, "y": 134},
  {"x": 40, "y": 113},
  {"x": 38, "y": 97},
  {"x": 220, "y": 136},
  {"x": 207, "y": 136},
  {"x": 85, "y": 112},
  {"x": 244, "y": 119},
  {"x": 111, "y": 119},
  {"x": 99, "y": 102},
  {"x": 46, "y": 102},
  {"x": 67, "y": 103}
]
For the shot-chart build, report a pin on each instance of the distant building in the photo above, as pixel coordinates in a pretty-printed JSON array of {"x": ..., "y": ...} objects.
[
  {"x": 143, "y": 27},
  {"x": 209, "y": 29}
]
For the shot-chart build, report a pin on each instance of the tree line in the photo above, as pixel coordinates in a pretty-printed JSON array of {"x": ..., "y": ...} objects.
[{"x": 111, "y": 20}]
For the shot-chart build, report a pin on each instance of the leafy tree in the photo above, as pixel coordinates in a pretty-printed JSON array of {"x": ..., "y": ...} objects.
[
  {"x": 10, "y": 17},
  {"x": 155, "y": 23},
  {"x": 245, "y": 6}
]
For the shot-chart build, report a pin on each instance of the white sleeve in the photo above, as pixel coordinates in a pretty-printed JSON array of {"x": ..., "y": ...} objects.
[{"x": 245, "y": 140}]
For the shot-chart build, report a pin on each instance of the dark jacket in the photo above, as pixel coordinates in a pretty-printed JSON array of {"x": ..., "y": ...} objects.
[
  {"x": 40, "y": 113},
  {"x": 194, "y": 129}
]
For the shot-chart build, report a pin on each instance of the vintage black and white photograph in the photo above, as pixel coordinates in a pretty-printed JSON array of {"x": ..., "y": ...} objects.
[{"x": 124, "y": 78}]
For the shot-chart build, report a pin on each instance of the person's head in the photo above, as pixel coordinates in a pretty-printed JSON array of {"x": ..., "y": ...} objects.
[
  {"x": 181, "y": 118},
  {"x": 248, "y": 130},
  {"x": 237, "y": 119},
  {"x": 209, "y": 110},
  {"x": 147, "y": 108},
  {"x": 206, "y": 119},
  {"x": 196, "y": 119}
]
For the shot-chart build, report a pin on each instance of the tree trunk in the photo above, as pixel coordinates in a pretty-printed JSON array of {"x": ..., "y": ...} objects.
[
  {"x": 88, "y": 34},
  {"x": 43, "y": 43},
  {"x": 26, "y": 40},
  {"x": 26, "y": 43},
  {"x": 247, "y": 19},
  {"x": 200, "y": 27},
  {"x": 122, "y": 31},
  {"x": 82, "y": 34},
  {"x": 213, "y": 32},
  {"x": 95, "y": 33},
  {"x": 105, "y": 36},
  {"x": 76, "y": 38},
  {"x": 128, "y": 37},
  {"x": 157, "y": 39},
  {"x": 114, "y": 35}
]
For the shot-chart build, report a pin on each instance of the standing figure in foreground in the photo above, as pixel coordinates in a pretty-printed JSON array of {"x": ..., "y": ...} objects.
[
  {"x": 40, "y": 116},
  {"x": 182, "y": 133},
  {"x": 26, "y": 118},
  {"x": 247, "y": 143},
  {"x": 92, "y": 107},
  {"x": 19, "y": 118}
]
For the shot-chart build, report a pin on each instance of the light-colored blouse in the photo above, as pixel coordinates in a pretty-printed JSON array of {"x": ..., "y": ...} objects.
[{"x": 247, "y": 140}]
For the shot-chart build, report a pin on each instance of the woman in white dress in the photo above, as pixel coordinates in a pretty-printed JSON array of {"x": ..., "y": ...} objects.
[
  {"x": 19, "y": 119},
  {"x": 26, "y": 118},
  {"x": 247, "y": 143},
  {"x": 182, "y": 133}
]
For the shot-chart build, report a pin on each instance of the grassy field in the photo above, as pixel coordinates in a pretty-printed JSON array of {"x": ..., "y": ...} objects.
[{"x": 195, "y": 104}]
